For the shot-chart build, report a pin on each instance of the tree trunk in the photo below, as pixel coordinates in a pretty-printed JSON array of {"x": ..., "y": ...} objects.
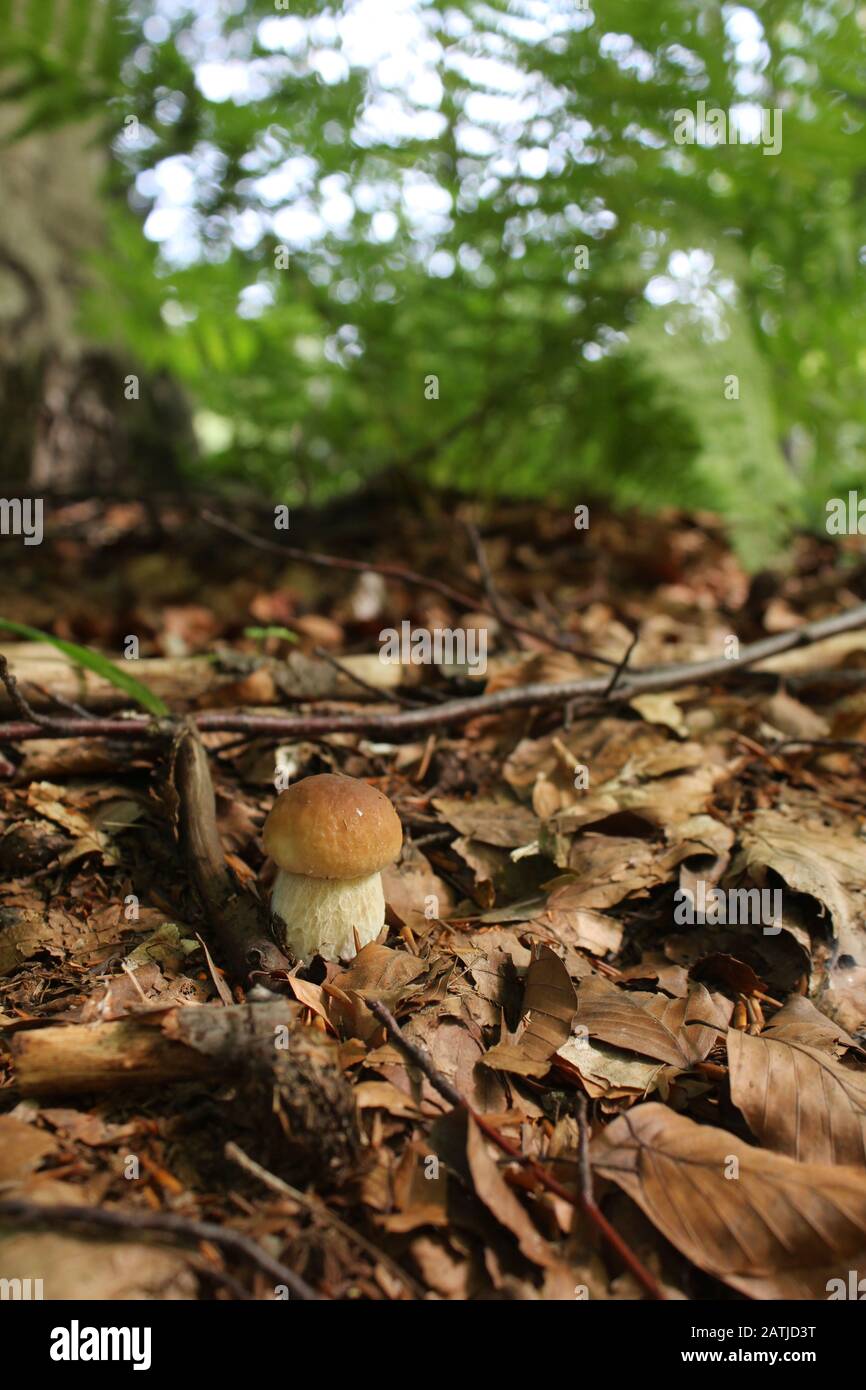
[{"x": 73, "y": 422}]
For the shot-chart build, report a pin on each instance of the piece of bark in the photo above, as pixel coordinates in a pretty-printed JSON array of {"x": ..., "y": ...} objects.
[
  {"x": 239, "y": 923},
  {"x": 99, "y": 1057}
]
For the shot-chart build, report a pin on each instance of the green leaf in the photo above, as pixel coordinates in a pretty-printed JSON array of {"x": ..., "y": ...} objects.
[
  {"x": 260, "y": 633},
  {"x": 94, "y": 661}
]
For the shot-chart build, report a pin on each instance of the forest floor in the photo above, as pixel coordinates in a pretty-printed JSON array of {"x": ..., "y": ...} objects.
[{"x": 612, "y": 1043}]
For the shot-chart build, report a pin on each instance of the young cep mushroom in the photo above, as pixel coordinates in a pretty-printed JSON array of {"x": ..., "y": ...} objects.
[{"x": 330, "y": 837}]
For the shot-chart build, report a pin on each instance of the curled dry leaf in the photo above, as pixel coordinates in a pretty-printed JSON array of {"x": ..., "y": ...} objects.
[
  {"x": 548, "y": 1007},
  {"x": 677, "y": 1031},
  {"x": 764, "y": 1224},
  {"x": 799, "y": 1021},
  {"x": 826, "y": 863}
]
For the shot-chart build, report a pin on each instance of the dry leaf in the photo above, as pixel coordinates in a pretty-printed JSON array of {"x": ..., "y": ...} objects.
[
  {"x": 797, "y": 1099},
  {"x": 773, "y": 1229}
]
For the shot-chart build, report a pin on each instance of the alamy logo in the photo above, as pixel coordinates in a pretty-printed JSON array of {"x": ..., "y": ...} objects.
[
  {"x": 846, "y": 518},
  {"x": 709, "y": 906},
  {"x": 21, "y": 1289},
  {"x": 737, "y": 127},
  {"x": 441, "y": 646},
  {"x": 22, "y": 517},
  {"x": 855, "y": 1288},
  {"x": 77, "y": 1343}
]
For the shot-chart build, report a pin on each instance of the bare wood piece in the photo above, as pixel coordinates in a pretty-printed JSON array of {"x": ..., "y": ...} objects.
[
  {"x": 51, "y": 679},
  {"x": 102, "y": 1057},
  {"x": 238, "y": 922}
]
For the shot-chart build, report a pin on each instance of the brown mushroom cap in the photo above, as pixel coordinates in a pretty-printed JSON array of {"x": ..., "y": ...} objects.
[{"x": 332, "y": 827}]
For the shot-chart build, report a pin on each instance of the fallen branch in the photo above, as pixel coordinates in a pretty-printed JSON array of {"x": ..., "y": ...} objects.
[
  {"x": 168, "y": 1223},
  {"x": 409, "y": 722},
  {"x": 424, "y": 1063}
]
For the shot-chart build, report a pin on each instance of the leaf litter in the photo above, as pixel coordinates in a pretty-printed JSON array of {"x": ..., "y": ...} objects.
[{"x": 537, "y": 951}]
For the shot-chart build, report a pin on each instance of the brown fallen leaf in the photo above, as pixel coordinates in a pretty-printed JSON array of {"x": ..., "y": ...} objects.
[
  {"x": 797, "y": 1099},
  {"x": 678, "y": 1031},
  {"x": 502, "y": 823},
  {"x": 827, "y": 863},
  {"x": 607, "y": 1071},
  {"x": 501, "y": 1202},
  {"x": 22, "y": 1148},
  {"x": 799, "y": 1021},
  {"x": 764, "y": 1224},
  {"x": 548, "y": 1007}
]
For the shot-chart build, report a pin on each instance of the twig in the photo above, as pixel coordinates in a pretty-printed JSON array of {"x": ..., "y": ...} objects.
[
  {"x": 182, "y": 1227},
  {"x": 486, "y": 576},
  {"x": 394, "y": 695},
  {"x": 425, "y": 1064},
  {"x": 13, "y": 690},
  {"x": 615, "y": 678},
  {"x": 583, "y": 1159},
  {"x": 318, "y": 1208},
  {"x": 398, "y": 572},
  {"x": 540, "y": 694},
  {"x": 61, "y": 702},
  {"x": 339, "y": 562},
  {"x": 852, "y": 745}
]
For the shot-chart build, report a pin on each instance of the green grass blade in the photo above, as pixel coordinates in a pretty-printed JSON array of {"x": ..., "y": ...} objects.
[{"x": 93, "y": 661}]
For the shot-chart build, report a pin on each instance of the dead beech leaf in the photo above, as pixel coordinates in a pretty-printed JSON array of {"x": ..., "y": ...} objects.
[
  {"x": 579, "y": 926},
  {"x": 677, "y": 1031},
  {"x": 502, "y": 823},
  {"x": 501, "y": 1202},
  {"x": 793, "y": 718},
  {"x": 382, "y": 1095},
  {"x": 607, "y": 1071},
  {"x": 377, "y": 972},
  {"x": 779, "y": 1229},
  {"x": 548, "y": 1007},
  {"x": 827, "y": 863},
  {"x": 411, "y": 886},
  {"x": 798, "y": 1100},
  {"x": 799, "y": 1021},
  {"x": 22, "y": 1148}
]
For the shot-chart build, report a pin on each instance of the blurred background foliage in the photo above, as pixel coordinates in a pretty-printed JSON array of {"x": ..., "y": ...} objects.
[{"x": 311, "y": 209}]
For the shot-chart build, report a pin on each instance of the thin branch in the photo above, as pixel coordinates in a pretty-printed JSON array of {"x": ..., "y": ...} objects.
[
  {"x": 471, "y": 602},
  {"x": 17, "y": 700},
  {"x": 170, "y": 1223},
  {"x": 317, "y": 1207},
  {"x": 339, "y": 562},
  {"x": 540, "y": 694},
  {"x": 851, "y": 745},
  {"x": 583, "y": 1158},
  {"x": 424, "y": 1062},
  {"x": 615, "y": 678},
  {"x": 394, "y": 695},
  {"x": 486, "y": 575}
]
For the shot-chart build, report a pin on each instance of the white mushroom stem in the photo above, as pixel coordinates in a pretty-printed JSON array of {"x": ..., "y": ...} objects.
[{"x": 322, "y": 915}]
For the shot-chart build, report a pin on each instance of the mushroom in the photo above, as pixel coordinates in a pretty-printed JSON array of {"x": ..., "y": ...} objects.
[{"x": 330, "y": 836}]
